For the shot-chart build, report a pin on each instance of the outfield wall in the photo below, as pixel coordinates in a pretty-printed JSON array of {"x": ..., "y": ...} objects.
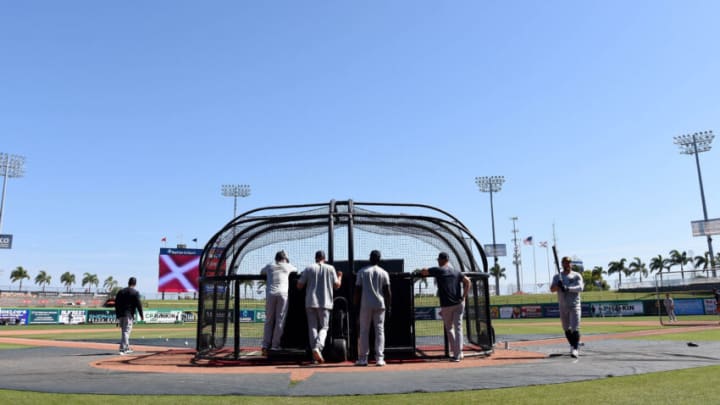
[
  {"x": 689, "y": 306},
  {"x": 73, "y": 316},
  {"x": 67, "y": 316}
]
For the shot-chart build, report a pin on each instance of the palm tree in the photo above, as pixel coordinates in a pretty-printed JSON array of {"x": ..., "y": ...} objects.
[
  {"x": 682, "y": 259},
  {"x": 110, "y": 283},
  {"x": 657, "y": 264},
  {"x": 246, "y": 284},
  {"x": 19, "y": 274},
  {"x": 702, "y": 262},
  {"x": 617, "y": 267},
  {"x": 260, "y": 284},
  {"x": 497, "y": 272},
  {"x": 90, "y": 280},
  {"x": 68, "y": 279},
  {"x": 42, "y": 279},
  {"x": 596, "y": 279},
  {"x": 637, "y": 266}
]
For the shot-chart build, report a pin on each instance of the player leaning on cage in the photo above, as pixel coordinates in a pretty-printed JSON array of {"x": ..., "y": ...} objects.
[
  {"x": 453, "y": 288},
  {"x": 569, "y": 284},
  {"x": 276, "y": 300},
  {"x": 321, "y": 279}
]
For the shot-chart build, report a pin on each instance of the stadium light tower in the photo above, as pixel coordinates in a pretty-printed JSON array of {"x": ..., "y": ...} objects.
[
  {"x": 491, "y": 184},
  {"x": 235, "y": 191},
  {"x": 10, "y": 166},
  {"x": 693, "y": 145}
]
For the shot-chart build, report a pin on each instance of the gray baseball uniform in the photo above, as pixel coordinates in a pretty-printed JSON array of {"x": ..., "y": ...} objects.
[
  {"x": 372, "y": 280},
  {"x": 276, "y": 299}
]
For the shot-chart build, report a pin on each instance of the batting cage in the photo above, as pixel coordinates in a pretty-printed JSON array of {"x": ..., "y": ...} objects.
[{"x": 231, "y": 306}]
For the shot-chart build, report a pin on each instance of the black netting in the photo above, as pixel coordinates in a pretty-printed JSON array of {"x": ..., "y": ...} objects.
[{"x": 232, "y": 293}]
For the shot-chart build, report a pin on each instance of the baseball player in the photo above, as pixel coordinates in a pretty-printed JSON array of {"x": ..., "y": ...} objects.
[
  {"x": 321, "y": 279},
  {"x": 372, "y": 293},
  {"x": 569, "y": 285},
  {"x": 453, "y": 288},
  {"x": 276, "y": 300}
]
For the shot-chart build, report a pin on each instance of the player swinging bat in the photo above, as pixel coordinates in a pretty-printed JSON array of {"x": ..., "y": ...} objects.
[{"x": 568, "y": 284}]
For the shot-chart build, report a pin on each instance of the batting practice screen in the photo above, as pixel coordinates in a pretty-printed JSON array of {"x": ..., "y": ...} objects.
[{"x": 231, "y": 307}]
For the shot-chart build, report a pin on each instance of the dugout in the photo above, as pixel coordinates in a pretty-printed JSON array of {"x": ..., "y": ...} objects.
[{"x": 231, "y": 296}]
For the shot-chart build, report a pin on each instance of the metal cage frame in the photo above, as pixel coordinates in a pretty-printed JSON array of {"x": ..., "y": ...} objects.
[{"x": 224, "y": 252}]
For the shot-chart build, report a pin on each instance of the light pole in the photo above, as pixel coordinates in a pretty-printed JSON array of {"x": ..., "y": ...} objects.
[
  {"x": 517, "y": 260},
  {"x": 10, "y": 166},
  {"x": 491, "y": 184},
  {"x": 693, "y": 145},
  {"x": 235, "y": 191}
]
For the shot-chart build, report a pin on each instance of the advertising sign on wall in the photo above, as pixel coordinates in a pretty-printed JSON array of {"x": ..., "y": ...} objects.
[
  {"x": 425, "y": 313},
  {"x": 72, "y": 316},
  {"x": 247, "y": 316},
  {"x": 617, "y": 309},
  {"x": 162, "y": 316},
  {"x": 710, "y": 306},
  {"x": 689, "y": 307},
  {"x": 531, "y": 311},
  {"x": 13, "y": 315},
  {"x": 43, "y": 316},
  {"x": 101, "y": 316}
]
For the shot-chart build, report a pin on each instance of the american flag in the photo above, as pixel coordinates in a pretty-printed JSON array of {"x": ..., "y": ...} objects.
[
  {"x": 528, "y": 240},
  {"x": 542, "y": 244}
]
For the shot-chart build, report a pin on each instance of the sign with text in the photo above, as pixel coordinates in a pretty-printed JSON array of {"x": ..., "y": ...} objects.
[
  {"x": 6, "y": 241},
  {"x": 72, "y": 316},
  {"x": 43, "y": 316},
  {"x": 497, "y": 249},
  {"x": 156, "y": 316},
  {"x": 14, "y": 316},
  {"x": 703, "y": 228},
  {"x": 618, "y": 308},
  {"x": 101, "y": 316}
]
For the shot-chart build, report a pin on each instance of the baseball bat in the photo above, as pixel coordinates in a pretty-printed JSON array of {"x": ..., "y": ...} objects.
[{"x": 557, "y": 262}]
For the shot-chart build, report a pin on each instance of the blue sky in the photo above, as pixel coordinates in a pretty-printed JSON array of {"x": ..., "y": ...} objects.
[{"x": 132, "y": 115}]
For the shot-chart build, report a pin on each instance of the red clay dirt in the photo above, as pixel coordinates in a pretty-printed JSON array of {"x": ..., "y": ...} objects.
[{"x": 158, "y": 359}]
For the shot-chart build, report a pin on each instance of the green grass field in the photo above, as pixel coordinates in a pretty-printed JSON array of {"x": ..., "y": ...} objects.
[
  {"x": 431, "y": 300},
  {"x": 693, "y": 386}
]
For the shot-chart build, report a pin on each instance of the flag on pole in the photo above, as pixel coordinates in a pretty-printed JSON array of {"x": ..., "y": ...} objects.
[
  {"x": 542, "y": 244},
  {"x": 164, "y": 239},
  {"x": 528, "y": 240}
]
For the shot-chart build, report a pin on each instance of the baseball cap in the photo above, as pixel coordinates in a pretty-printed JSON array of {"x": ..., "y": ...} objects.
[{"x": 443, "y": 256}]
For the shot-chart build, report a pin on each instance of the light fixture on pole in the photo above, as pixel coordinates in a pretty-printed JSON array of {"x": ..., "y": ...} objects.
[
  {"x": 693, "y": 144},
  {"x": 235, "y": 191},
  {"x": 491, "y": 184},
  {"x": 10, "y": 166}
]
